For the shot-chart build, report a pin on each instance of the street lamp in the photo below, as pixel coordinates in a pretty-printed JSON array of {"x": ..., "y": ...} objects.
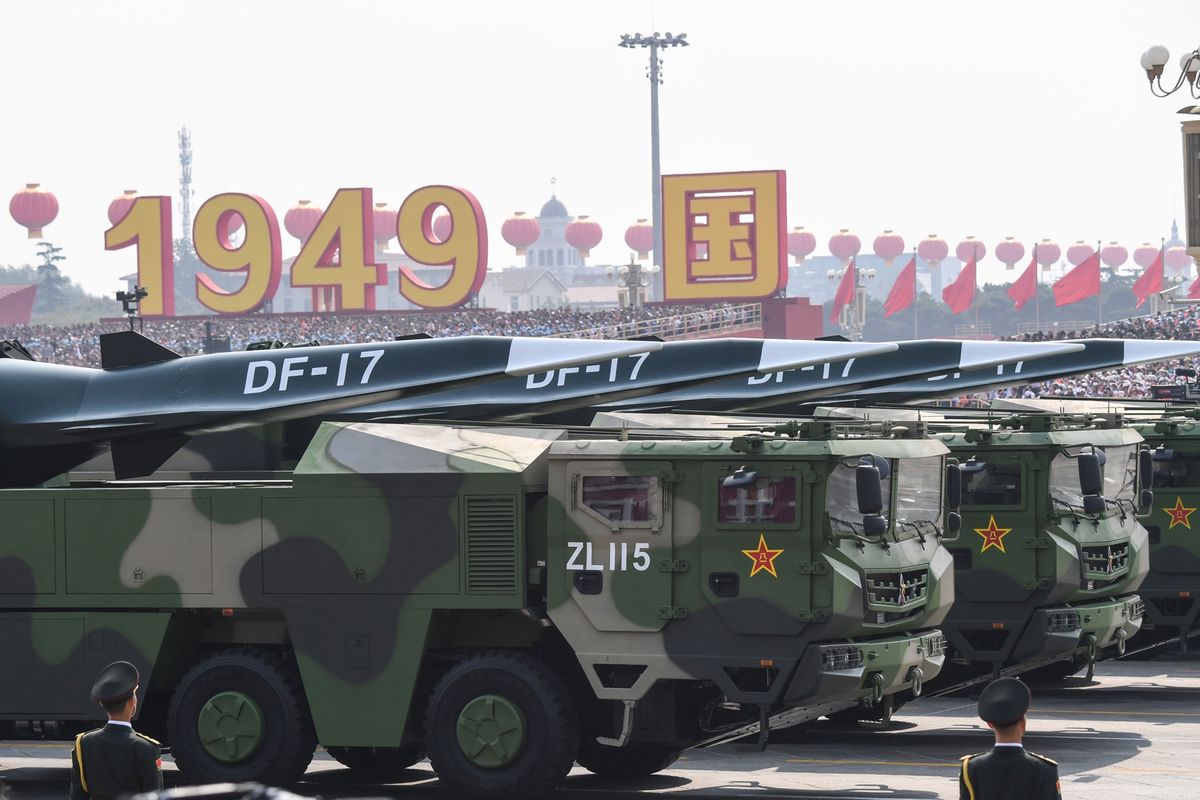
[
  {"x": 1155, "y": 58},
  {"x": 634, "y": 280},
  {"x": 654, "y": 73},
  {"x": 853, "y": 317}
]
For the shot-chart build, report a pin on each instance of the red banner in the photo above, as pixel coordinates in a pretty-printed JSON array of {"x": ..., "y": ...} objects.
[
  {"x": 1080, "y": 283},
  {"x": 904, "y": 290}
]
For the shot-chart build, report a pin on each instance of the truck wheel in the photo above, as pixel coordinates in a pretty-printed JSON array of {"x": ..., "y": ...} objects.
[
  {"x": 378, "y": 762},
  {"x": 501, "y": 726},
  {"x": 240, "y": 715},
  {"x": 624, "y": 763}
]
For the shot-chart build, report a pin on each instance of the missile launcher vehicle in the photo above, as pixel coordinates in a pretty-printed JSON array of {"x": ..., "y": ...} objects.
[{"x": 506, "y": 600}]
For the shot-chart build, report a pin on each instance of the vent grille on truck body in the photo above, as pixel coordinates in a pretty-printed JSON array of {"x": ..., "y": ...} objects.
[{"x": 491, "y": 544}]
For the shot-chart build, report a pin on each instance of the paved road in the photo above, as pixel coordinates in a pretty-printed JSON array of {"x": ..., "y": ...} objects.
[{"x": 1131, "y": 733}]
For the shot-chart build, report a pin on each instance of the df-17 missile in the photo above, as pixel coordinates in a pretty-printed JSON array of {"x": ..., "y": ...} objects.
[
  {"x": 783, "y": 391},
  {"x": 146, "y": 400},
  {"x": 556, "y": 393},
  {"x": 1093, "y": 355}
]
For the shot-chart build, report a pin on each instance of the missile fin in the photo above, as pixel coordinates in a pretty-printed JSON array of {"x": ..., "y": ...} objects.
[
  {"x": 130, "y": 348},
  {"x": 135, "y": 459}
]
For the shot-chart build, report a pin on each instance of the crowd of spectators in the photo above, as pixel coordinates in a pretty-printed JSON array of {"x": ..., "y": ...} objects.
[{"x": 79, "y": 345}]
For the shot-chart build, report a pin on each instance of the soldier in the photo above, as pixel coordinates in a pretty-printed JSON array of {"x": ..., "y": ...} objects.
[
  {"x": 115, "y": 760},
  {"x": 1008, "y": 770}
]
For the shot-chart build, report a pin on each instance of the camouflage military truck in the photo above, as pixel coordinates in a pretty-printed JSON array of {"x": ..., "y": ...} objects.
[
  {"x": 1051, "y": 549},
  {"x": 506, "y": 600},
  {"x": 1172, "y": 589}
]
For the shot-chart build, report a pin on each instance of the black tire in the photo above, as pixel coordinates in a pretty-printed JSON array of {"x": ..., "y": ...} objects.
[
  {"x": 873, "y": 713},
  {"x": 378, "y": 763},
  {"x": 624, "y": 763},
  {"x": 551, "y": 728},
  {"x": 271, "y": 681}
]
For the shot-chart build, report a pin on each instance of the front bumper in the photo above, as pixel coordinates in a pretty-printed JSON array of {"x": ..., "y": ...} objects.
[
  {"x": 869, "y": 669},
  {"x": 1110, "y": 622}
]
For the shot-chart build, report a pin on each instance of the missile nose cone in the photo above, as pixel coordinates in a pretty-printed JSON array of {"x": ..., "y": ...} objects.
[
  {"x": 528, "y": 354},
  {"x": 1139, "y": 351},
  {"x": 782, "y": 354},
  {"x": 988, "y": 354}
]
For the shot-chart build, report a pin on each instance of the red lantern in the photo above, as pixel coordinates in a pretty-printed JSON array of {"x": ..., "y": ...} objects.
[
  {"x": 120, "y": 206},
  {"x": 1177, "y": 259},
  {"x": 969, "y": 248},
  {"x": 844, "y": 245},
  {"x": 1079, "y": 252},
  {"x": 301, "y": 219},
  {"x": 384, "y": 222},
  {"x": 640, "y": 238},
  {"x": 583, "y": 234},
  {"x": 443, "y": 226},
  {"x": 1010, "y": 251},
  {"x": 1048, "y": 253},
  {"x": 800, "y": 244},
  {"x": 33, "y": 208},
  {"x": 1145, "y": 254},
  {"x": 520, "y": 231},
  {"x": 933, "y": 250},
  {"x": 887, "y": 246},
  {"x": 1114, "y": 255}
]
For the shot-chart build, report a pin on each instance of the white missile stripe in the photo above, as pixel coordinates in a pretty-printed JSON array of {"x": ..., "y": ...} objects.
[
  {"x": 528, "y": 354},
  {"x": 781, "y": 354}
]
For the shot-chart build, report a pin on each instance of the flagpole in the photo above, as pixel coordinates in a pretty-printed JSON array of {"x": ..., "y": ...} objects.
[
  {"x": 1037, "y": 285},
  {"x": 915, "y": 298},
  {"x": 1160, "y": 298},
  {"x": 1100, "y": 272}
]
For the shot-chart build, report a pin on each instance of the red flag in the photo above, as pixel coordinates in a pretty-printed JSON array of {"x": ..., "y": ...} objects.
[
  {"x": 1025, "y": 287},
  {"x": 904, "y": 290},
  {"x": 960, "y": 294},
  {"x": 1080, "y": 283},
  {"x": 1194, "y": 290},
  {"x": 1150, "y": 281},
  {"x": 845, "y": 292}
]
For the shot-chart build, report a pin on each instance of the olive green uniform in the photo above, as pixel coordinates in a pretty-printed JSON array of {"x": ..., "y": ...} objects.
[
  {"x": 1008, "y": 773},
  {"x": 112, "y": 761}
]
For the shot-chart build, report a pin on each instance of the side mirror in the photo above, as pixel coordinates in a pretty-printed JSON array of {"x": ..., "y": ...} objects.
[
  {"x": 1091, "y": 479},
  {"x": 953, "y": 487},
  {"x": 869, "y": 488},
  {"x": 953, "y": 526},
  {"x": 1145, "y": 501},
  {"x": 1145, "y": 468},
  {"x": 874, "y": 526},
  {"x": 1094, "y": 504},
  {"x": 740, "y": 477}
]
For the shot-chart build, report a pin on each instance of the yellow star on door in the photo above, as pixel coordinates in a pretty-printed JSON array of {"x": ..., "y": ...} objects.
[
  {"x": 1180, "y": 514},
  {"x": 993, "y": 535},
  {"x": 763, "y": 558}
]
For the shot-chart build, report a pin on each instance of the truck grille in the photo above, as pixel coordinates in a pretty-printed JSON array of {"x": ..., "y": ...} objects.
[
  {"x": 1105, "y": 564},
  {"x": 895, "y": 595},
  {"x": 1136, "y": 609},
  {"x": 843, "y": 657},
  {"x": 935, "y": 645}
]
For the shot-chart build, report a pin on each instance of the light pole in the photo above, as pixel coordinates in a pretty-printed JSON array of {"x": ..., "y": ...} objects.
[
  {"x": 654, "y": 73},
  {"x": 854, "y": 316},
  {"x": 1155, "y": 58},
  {"x": 634, "y": 281}
]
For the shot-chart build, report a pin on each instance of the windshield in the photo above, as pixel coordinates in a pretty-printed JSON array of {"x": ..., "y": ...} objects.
[
  {"x": 918, "y": 496},
  {"x": 1064, "y": 481},
  {"x": 1120, "y": 472},
  {"x": 841, "y": 499}
]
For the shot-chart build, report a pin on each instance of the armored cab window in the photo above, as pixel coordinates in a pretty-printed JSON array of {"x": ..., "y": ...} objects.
[
  {"x": 919, "y": 484},
  {"x": 766, "y": 499},
  {"x": 621, "y": 498},
  {"x": 1176, "y": 470},
  {"x": 988, "y": 484},
  {"x": 841, "y": 497},
  {"x": 1120, "y": 472}
]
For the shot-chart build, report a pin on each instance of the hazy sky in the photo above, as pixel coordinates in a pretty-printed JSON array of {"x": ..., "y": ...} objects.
[{"x": 1024, "y": 117}]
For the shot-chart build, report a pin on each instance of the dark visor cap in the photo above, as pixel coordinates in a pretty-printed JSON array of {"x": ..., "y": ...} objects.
[
  {"x": 115, "y": 682},
  {"x": 1004, "y": 701}
]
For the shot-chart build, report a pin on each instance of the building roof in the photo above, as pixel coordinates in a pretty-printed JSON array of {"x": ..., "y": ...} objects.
[{"x": 553, "y": 209}]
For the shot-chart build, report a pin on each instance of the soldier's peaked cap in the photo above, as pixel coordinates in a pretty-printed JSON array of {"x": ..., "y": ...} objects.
[
  {"x": 1004, "y": 701},
  {"x": 115, "y": 682}
]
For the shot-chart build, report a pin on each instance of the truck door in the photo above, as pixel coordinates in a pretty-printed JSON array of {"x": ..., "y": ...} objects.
[
  {"x": 619, "y": 546},
  {"x": 995, "y": 553},
  {"x": 755, "y": 556}
]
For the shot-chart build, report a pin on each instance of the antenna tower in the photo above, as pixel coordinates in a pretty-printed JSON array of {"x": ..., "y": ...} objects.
[{"x": 185, "y": 184}]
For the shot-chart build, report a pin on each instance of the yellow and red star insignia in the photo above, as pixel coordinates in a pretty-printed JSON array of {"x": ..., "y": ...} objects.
[
  {"x": 993, "y": 535},
  {"x": 1180, "y": 514},
  {"x": 763, "y": 558}
]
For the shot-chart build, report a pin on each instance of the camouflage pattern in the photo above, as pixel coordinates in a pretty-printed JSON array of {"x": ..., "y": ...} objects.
[
  {"x": 393, "y": 551},
  {"x": 1036, "y": 579}
]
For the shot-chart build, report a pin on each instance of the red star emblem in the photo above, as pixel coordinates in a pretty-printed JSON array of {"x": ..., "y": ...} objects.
[
  {"x": 1180, "y": 514},
  {"x": 993, "y": 535},
  {"x": 763, "y": 558}
]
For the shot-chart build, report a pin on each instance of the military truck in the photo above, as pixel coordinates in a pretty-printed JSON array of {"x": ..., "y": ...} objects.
[
  {"x": 506, "y": 600},
  {"x": 1051, "y": 549},
  {"x": 1172, "y": 589}
]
